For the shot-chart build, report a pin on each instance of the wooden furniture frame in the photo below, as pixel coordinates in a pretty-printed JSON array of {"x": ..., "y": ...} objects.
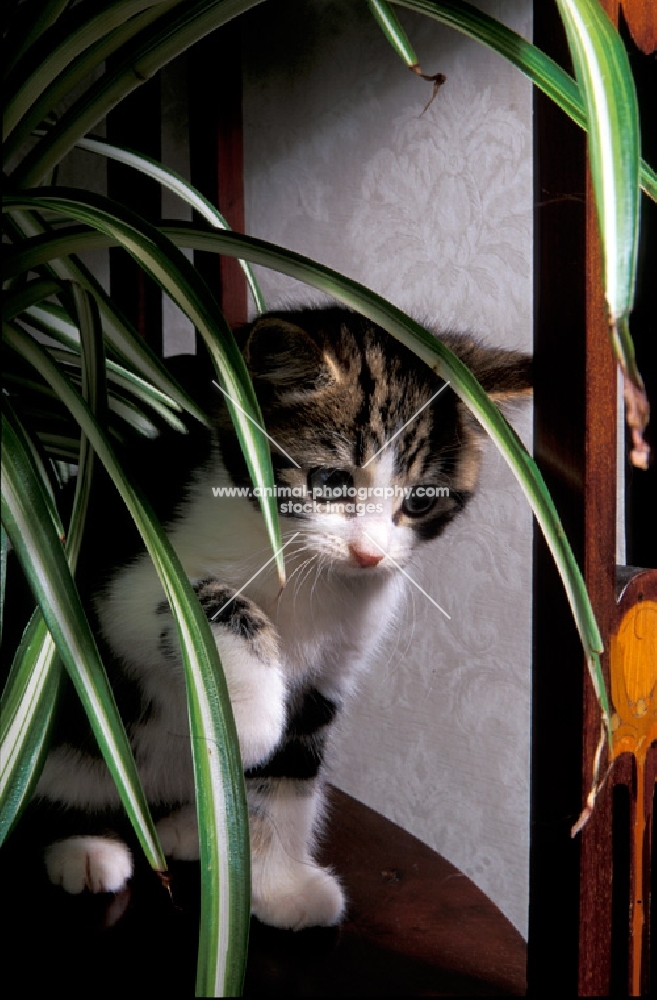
[{"x": 580, "y": 938}]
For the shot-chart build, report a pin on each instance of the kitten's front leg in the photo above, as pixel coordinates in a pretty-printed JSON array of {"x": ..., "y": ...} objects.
[
  {"x": 286, "y": 804},
  {"x": 248, "y": 646},
  {"x": 289, "y": 889}
]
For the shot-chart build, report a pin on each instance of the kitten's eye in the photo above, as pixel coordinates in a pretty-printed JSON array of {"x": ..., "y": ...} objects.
[
  {"x": 417, "y": 502},
  {"x": 329, "y": 479}
]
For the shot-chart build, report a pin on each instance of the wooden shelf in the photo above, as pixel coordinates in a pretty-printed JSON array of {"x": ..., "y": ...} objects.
[{"x": 416, "y": 926}]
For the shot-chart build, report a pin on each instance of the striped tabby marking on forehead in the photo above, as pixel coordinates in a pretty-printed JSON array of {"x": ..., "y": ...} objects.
[
  {"x": 335, "y": 389},
  {"x": 332, "y": 381}
]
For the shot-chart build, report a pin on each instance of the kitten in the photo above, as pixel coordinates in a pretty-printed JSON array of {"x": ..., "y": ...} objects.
[{"x": 335, "y": 392}]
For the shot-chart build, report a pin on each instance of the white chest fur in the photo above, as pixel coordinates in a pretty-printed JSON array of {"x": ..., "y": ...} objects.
[{"x": 328, "y": 622}]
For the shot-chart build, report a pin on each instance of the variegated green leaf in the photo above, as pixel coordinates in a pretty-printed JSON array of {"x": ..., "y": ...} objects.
[
  {"x": 530, "y": 60},
  {"x": 171, "y": 269},
  {"x": 38, "y": 464},
  {"x": 605, "y": 79},
  {"x": 27, "y": 713},
  {"x": 173, "y": 182},
  {"x": 32, "y": 23},
  {"x": 4, "y": 548},
  {"x": 19, "y": 300},
  {"x": 139, "y": 60},
  {"x": 51, "y": 319},
  {"x": 76, "y": 73},
  {"x": 30, "y": 696},
  {"x": 30, "y": 528},
  {"x": 118, "y": 376},
  {"x": 122, "y": 339},
  {"x": 221, "y": 800},
  {"x": 72, "y": 36},
  {"x": 388, "y": 21}
]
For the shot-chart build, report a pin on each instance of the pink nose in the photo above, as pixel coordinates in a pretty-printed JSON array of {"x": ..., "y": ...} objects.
[{"x": 365, "y": 559}]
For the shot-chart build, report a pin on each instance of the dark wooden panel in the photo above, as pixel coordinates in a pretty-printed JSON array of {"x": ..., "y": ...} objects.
[
  {"x": 560, "y": 397},
  {"x": 217, "y": 162},
  {"x": 136, "y": 123},
  {"x": 600, "y": 574},
  {"x": 576, "y": 446}
]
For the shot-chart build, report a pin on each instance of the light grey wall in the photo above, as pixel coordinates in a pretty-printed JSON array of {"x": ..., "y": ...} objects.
[{"x": 434, "y": 211}]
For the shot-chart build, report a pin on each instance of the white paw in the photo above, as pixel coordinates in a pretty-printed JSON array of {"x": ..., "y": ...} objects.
[
  {"x": 95, "y": 863},
  {"x": 305, "y": 896},
  {"x": 178, "y": 835}
]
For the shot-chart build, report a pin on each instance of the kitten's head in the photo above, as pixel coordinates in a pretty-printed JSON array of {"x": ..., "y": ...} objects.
[{"x": 382, "y": 464}]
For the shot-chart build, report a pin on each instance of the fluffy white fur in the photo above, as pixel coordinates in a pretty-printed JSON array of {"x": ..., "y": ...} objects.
[
  {"x": 289, "y": 888},
  {"x": 328, "y": 620},
  {"x": 95, "y": 863}
]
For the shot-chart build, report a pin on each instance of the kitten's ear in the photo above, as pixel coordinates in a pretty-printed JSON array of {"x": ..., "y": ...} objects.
[
  {"x": 283, "y": 354},
  {"x": 505, "y": 375}
]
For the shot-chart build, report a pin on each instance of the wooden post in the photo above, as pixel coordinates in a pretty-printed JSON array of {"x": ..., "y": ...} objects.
[
  {"x": 580, "y": 940},
  {"x": 559, "y": 446},
  {"x": 136, "y": 123},
  {"x": 217, "y": 159}
]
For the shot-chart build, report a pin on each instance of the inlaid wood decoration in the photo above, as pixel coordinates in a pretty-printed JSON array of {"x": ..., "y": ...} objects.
[{"x": 633, "y": 668}]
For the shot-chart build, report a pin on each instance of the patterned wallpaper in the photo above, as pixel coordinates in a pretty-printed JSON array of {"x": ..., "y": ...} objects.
[{"x": 433, "y": 210}]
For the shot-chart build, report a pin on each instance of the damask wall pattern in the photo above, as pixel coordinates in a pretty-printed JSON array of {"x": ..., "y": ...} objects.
[{"x": 432, "y": 209}]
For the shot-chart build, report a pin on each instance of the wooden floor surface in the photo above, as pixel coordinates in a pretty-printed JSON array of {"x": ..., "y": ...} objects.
[{"x": 416, "y": 926}]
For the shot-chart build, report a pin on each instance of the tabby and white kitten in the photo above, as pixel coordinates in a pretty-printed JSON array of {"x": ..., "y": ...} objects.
[{"x": 335, "y": 390}]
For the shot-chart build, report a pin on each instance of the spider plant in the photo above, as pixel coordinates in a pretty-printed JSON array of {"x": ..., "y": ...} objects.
[{"x": 94, "y": 372}]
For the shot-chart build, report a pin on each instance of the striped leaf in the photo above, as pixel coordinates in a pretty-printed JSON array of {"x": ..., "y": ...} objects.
[
  {"x": 4, "y": 548},
  {"x": 72, "y": 35},
  {"x": 19, "y": 300},
  {"x": 78, "y": 71},
  {"x": 32, "y": 23},
  {"x": 121, "y": 337},
  {"x": 605, "y": 78},
  {"x": 27, "y": 714},
  {"x": 389, "y": 23},
  {"x": 543, "y": 71},
  {"x": 173, "y": 182},
  {"x": 124, "y": 380},
  {"x": 29, "y": 525},
  {"x": 221, "y": 799},
  {"x": 39, "y": 465},
  {"x": 385, "y": 17},
  {"x": 171, "y": 269},
  {"x": 139, "y": 60},
  {"x": 30, "y": 697}
]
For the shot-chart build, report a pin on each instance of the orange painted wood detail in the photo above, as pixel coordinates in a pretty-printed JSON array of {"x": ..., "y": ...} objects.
[{"x": 633, "y": 667}]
